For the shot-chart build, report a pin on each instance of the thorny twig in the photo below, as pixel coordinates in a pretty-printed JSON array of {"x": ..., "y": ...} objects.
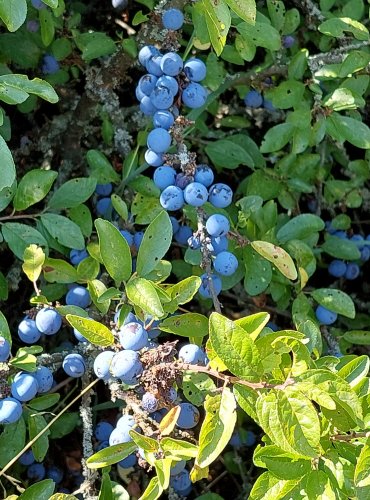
[{"x": 87, "y": 487}]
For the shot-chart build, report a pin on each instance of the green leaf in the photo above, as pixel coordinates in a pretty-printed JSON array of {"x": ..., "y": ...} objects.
[
  {"x": 20, "y": 236},
  {"x": 291, "y": 422},
  {"x": 254, "y": 323},
  {"x": 111, "y": 455},
  {"x": 47, "y": 26},
  {"x": 153, "y": 490},
  {"x": 355, "y": 370},
  {"x": 7, "y": 165},
  {"x": 143, "y": 294},
  {"x": 233, "y": 346},
  {"x": 33, "y": 187},
  {"x": 81, "y": 215},
  {"x": 183, "y": 292},
  {"x": 93, "y": 331},
  {"x": 36, "y": 423},
  {"x": 362, "y": 478},
  {"x": 288, "y": 94},
  {"x": 344, "y": 128},
  {"x": 43, "y": 402},
  {"x": 227, "y": 154},
  {"x": 247, "y": 399},
  {"x": 119, "y": 206},
  {"x": 65, "y": 424},
  {"x": 101, "y": 168},
  {"x": 218, "y": 22},
  {"x": 186, "y": 325},
  {"x": 4, "y": 328},
  {"x": 65, "y": 231},
  {"x": 24, "y": 360},
  {"x": 72, "y": 193},
  {"x": 278, "y": 257},
  {"x": 277, "y": 137},
  {"x": 105, "y": 492},
  {"x": 59, "y": 271},
  {"x": 281, "y": 464},
  {"x": 114, "y": 251},
  {"x": 144, "y": 442},
  {"x": 95, "y": 44},
  {"x": 34, "y": 259},
  {"x": 269, "y": 487},
  {"x": 337, "y": 26},
  {"x": 341, "y": 249},
  {"x": 261, "y": 34},
  {"x": 258, "y": 272},
  {"x": 196, "y": 386},
  {"x": 75, "y": 310},
  {"x": 97, "y": 289},
  {"x": 42, "y": 490},
  {"x": 88, "y": 269},
  {"x": 217, "y": 427},
  {"x": 335, "y": 300},
  {"x": 155, "y": 244},
  {"x": 12, "y": 441},
  {"x": 145, "y": 208},
  {"x": 300, "y": 227},
  {"x": 245, "y": 9},
  {"x": 360, "y": 337},
  {"x": 53, "y": 4},
  {"x": 13, "y": 13},
  {"x": 36, "y": 86},
  {"x": 179, "y": 449}
]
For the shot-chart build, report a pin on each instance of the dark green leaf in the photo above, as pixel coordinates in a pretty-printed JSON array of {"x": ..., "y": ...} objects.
[
  {"x": 72, "y": 193},
  {"x": 335, "y": 300},
  {"x": 33, "y": 187}
]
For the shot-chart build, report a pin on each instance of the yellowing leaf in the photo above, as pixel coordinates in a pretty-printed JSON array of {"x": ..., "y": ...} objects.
[
  {"x": 168, "y": 422},
  {"x": 93, "y": 331},
  {"x": 34, "y": 259},
  {"x": 279, "y": 257}
]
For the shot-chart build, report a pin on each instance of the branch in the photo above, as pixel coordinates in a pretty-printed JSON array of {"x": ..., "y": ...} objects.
[
  {"x": 313, "y": 14},
  {"x": 349, "y": 437}
]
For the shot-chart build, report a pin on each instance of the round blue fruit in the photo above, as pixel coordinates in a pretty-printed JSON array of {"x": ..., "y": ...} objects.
[
  {"x": 36, "y": 472},
  {"x": 218, "y": 245},
  {"x": 189, "y": 416},
  {"x": 162, "y": 98},
  {"x": 175, "y": 224},
  {"x": 103, "y": 430},
  {"x": 146, "y": 106},
  {"x": 38, "y": 4},
  {"x": 192, "y": 354},
  {"x": 181, "y": 483},
  {"x": 159, "y": 140},
  {"x": 204, "y": 174},
  {"x": 172, "y": 198},
  {"x": 149, "y": 402},
  {"x": 183, "y": 234},
  {"x": 177, "y": 467},
  {"x": 27, "y": 458},
  {"x": 49, "y": 65},
  {"x": 55, "y": 473},
  {"x": 164, "y": 176},
  {"x": 4, "y": 349},
  {"x": 119, "y": 436},
  {"x": 128, "y": 462},
  {"x": 352, "y": 271},
  {"x": 126, "y": 423},
  {"x": 45, "y": 379},
  {"x": 74, "y": 365},
  {"x": 205, "y": 290},
  {"x": 79, "y": 336},
  {"x": 288, "y": 41},
  {"x": 147, "y": 84},
  {"x": 133, "y": 336},
  {"x": 195, "y": 70},
  {"x": 102, "y": 445},
  {"x": 102, "y": 364},
  {"x": 48, "y": 321},
  {"x": 146, "y": 53},
  {"x": 153, "y": 159},
  {"x": 183, "y": 180},
  {"x": 104, "y": 207},
  {"x": 173, "y": 19},
  {"x": 169, "y": 82},
  {"x": 194, "y": 95},
  {"x": 10, "y": 410},
  {"x": 126, "y": 366},
  {"x": 128, "y": 236},
  {"x": 163, "y": 118},
  {"x": 195, "y": 194},
  {"x": 217, "y": 225},
  {"x": 253, "y": 99},
  {"x": 104, "y": 189},
  {"x": 220, "y": 195},
  {"x": 337, "y": 268},
  {"x": 325, "y": 316},
  {"x": 24, "y": 386},
  {"x": 138, "y": 238},
  {"x": 365, "y": 253},
  {"x": 225, "y": 263},
  {"x": 77, "y": 256},
  {"x": 78, "y": 296},
  {"x": 153, "y": 66},
  {"x": 171, "y": 64},
  {"x": 194, "y": 242}
]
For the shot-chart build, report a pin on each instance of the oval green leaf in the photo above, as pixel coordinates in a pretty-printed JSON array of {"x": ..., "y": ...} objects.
[{"x": 92, "y": 330}]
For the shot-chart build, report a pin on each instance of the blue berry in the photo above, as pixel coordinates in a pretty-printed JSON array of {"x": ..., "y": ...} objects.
[
  {"x": 133, "y": 336},
  {"x": 146, "y": 106},
  {"x": 183, "y": 234},
  {"x": 220, "y": 195},
  {"x": 153, "y": 66},
  {"x": 126, "y": 366},
  {"x": 102, "y": 364},
  {"x": 33, "y": 26},
  {"x": 74, "y": 365},
  {"x": 153, "y": 159},
  {"x": 55, "y": 473},
  {"x": 78, "y": 296},
  {"x": 147, "y": 84},
  {"x": 49, "y": 65},
  {"x": 352, "y": 271},
  {"x": 10, "y": 410},
  {"x": 194, "y": 95},
  {"x": 149, "y": 402},
  {"x": 195, "y": 70},
  {"x": 162, "y": 98},
  {"x": 38, "y": 4},
  {"x": 79, "y": 336},
  {"x": 192, "y": 354},
  {"x": 169, "y": 82},
  {"x": 4, "y": 349},
  {"x": 337, "y": 268},
  {"x": 365, "y": 253},
  {"x": 272, "y": 326},
  {"x": 172, "y": 198},
  {"x": 204, "y": 289},
  {"x": 226, "y": 263},
  {"x": 104, "y": 207},
  {"x": 253, "y": 99},
  {"x": 164, "y": 176},
  {"x": 103, "y": 430},
  {"x": 189, "y": 416},
  {"x": 341, "y": 234},
  {"x": 104, "y": 189},
  {"x": 102, "y": 445},
  {"x": 171, "y": 64},
  {"x": 146, "y": 53},
  {"x": 249, "y": 439},
  {"x": 163, "y": 119},
  {"x": 24, "y": 386},
  {"x": 217, "y": 225},
  {"x": 194, "y": 242},
  {"x": 288, "y": 41},
  {"x": 159, "y": 140},
  {"x": 48, "y": 321},
  {"x": 325, "y": 316},
  {"x": 175, "y": 224},
  {"x": 126, "y": 422},
  {"x": 267, "y": 104},
  {"x": 235, "y": 440},
  {"x": 139, "y": 94},
  {"x": 177, "y": 467},
  {"x": 173, "y": 19},
  {"x": 128, "y": 236},
  {"x": 36, "y": 472},
  {"x": 204, "y": 175},
  {"x": 128, "y": 462},
  {"x": 183, "y": 180},
  {"x": 77, "y": 256},
  {"x": 138, "y": 238},
  {"x": 181, "y": 483},
  {"x": 195, "y": 194},
  {"x": 27, "y": 458},
  {"x": 44, "y": 379},
  {"x": 218, "y": 245},
  {"x": 118, "y": 437}
]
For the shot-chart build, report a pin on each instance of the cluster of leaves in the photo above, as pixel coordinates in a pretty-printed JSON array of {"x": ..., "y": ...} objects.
[{"x": 311, "y": 146}]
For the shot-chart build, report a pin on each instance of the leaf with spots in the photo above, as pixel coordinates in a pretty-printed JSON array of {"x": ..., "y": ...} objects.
[
  {"x": 33, "y": 187},
  {"x": 65, "y": 231},
  {"x": 245, "y": 9},
  {"x": 143, "y": 294},
  {"x": 258, "y": 272},
  {"x": 335, "y": 300},
  {"x": 155, "y": 244},
  {"x": 93, "y": 331},
  {"x": 196, "y": 386},
  {"x": 218, "y": 20},
  {"x": 186, "y": 325},
  {"x": 278, "y": 256}
]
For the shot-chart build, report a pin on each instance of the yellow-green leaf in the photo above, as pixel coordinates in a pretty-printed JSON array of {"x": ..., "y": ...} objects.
[
  {"x": 34, "y": 259},
  {"x": 93, "y": 331},
  {"x": 279, "y": 257}
]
